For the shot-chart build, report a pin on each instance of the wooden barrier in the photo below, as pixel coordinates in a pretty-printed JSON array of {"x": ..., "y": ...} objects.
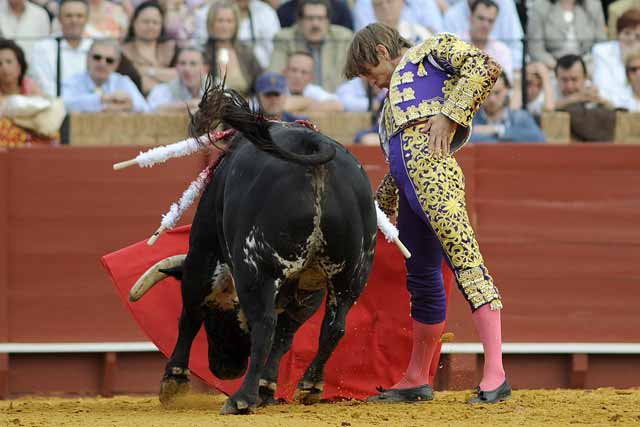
[
  {"x": 109, "y": 129},
  {"x": 627, "y": 130},
  {"x": 117, "y": 129},
  {"x": 123, "y": 129},
  {"x": 557, "y": 226},
  {"x": 556, "y": 127}
]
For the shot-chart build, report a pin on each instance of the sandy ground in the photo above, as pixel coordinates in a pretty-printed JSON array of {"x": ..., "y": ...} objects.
[{"x": 602, "y": 407}]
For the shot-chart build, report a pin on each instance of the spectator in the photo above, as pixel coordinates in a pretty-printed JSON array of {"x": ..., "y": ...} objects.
[
  {"x": 187, "y": 89},
  {"x": 389, "y": 12},
  {"x": 573, "y": 83},
  {"x": 23, "y": 21},
  {"x": 327, "y": 43},
  {"x": 507, "y": 27},
  {"x": 100, "y": 88},
  {"x": 483, "y": 18},
  {"x": 609, "y": 74},
  {"x": 496, "y": 122},
  {"x": 13, "y": 81},
  {"x": 340, "y": 13},
  {"x": 423, "y": 12},
  {"x": 304, "y": 95},
  {"x": 74, "y": 15},
  {"x": 229, "y": 58},
  {"x": 615, "y": 10},
  {"x": 540, "y": 97},
  {"x": 592, "y": 117},
  {"x": 272, "y": 95},
  {"x": 258, "y": 24},
  {"x": 181, "y": 21},
  {"x": 561, "y": 27},
  {"x": 632, "y": 67},
  {"x": 147, "y": 46},
  {"x": 106, "y": 19}
]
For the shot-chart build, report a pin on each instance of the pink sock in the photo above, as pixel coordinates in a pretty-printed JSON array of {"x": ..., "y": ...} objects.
[
  {"x": 425, "y": 340},
  {"x": 487, "y": 323}
]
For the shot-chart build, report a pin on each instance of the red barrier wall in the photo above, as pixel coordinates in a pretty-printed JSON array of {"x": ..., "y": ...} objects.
[{"x": 557, "y": 225}]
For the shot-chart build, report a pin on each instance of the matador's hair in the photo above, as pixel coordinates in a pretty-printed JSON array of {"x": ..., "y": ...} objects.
[{"x": 362, "y": 50}]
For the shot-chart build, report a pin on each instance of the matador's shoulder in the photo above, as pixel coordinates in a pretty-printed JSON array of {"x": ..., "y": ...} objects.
[{"x": 438, "y": 45}]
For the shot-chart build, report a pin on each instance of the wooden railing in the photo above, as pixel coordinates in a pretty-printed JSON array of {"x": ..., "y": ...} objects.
[
  {"x": 109, "y": 129},
  {"x": 118, "y": 129}
]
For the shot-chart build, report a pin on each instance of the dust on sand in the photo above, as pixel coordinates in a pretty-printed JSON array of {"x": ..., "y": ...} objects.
[{"x": 603, "y": 407}]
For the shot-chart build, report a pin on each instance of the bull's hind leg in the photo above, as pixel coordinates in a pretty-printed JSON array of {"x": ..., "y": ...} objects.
[
  {"x": 257, "y": 300},
  {"x": 176, "y": 375},
  {"x": 333, "y": 329},
  {"x": 296, "y": 313}
]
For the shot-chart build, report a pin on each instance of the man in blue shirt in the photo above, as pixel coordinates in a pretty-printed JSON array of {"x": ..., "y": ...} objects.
[
  {"x": 100, "y": 88},
  {"x": 272, "y": 95},
  {"x": 495, "y": 121}
]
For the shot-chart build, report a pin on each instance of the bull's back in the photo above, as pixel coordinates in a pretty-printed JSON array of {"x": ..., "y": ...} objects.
[{"x": 271, "y": 200}]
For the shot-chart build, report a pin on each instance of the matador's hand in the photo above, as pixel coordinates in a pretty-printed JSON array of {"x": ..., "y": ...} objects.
[{"x": 440, "y": 129}]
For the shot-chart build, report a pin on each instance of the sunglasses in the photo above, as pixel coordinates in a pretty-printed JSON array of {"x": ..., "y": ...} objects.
[{"x": 108, "y": 59}]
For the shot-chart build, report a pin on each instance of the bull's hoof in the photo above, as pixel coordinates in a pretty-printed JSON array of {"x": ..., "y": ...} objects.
[
  {"x": 241, "y": 407},
  {"x": 266, "y": 397},
  {"x": 308, "y": 396},
  {"x": 172, "y": 388}
]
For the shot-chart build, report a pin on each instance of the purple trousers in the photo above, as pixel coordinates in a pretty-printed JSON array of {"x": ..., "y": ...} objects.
[{"x": 433, "y": 224}]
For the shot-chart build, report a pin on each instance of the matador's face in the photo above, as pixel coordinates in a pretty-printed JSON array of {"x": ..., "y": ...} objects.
[{"x": 380, "y": 75}]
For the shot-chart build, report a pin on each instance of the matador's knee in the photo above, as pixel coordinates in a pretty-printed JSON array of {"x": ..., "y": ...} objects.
[{"x": 477, "y": 287}]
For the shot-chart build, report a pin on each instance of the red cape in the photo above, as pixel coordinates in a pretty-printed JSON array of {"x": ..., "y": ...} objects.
[{"x": 374, "y": 351}]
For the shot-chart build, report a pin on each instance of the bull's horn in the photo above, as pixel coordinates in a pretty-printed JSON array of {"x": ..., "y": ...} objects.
[{"x": 153, "y": 276}]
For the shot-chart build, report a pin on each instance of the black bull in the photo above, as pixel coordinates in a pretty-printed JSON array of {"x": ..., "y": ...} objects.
[{"x": 287, "y": 217}]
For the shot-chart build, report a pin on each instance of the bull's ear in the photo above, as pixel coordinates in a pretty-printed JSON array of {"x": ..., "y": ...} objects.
[{"x": 173, "y": 271}]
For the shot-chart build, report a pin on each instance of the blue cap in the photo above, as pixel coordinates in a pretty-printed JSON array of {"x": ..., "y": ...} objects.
[{"x": 271, "y": 82}]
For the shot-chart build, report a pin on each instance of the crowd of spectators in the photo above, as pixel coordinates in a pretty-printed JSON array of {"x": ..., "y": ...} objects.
[{"x": 287, "y": 55}]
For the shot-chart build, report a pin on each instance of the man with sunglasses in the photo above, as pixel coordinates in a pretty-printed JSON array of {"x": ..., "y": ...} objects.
[{"x": 100, "y": 88}]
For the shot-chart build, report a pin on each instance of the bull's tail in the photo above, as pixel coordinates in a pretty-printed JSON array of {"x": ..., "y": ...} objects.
[{"x": 228, "y": 107}]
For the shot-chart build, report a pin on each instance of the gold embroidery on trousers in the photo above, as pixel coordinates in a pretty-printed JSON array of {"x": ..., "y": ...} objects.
[{"x": 439, "y": 188}]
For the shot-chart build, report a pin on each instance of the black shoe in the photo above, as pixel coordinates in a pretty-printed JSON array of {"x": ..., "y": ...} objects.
[
  {"x": 422, "y": 393},
  {"x": 492, "y": 396}
]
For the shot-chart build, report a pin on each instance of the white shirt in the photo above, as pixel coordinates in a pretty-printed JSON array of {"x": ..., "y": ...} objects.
[
  {"x": 413, "y": 32},
  {"x": 423, "y": 12},
  {"x": 26, "y": 29},
  {"x": 265, "y": 25},
  {"x": 609, "y": 74},
  {"x": 43, "y": 62},
  {"x": 318, "y": 94}
]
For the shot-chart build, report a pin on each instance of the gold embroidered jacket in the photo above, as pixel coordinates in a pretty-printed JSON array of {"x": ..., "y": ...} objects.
[{"x": 441, "y": 75}]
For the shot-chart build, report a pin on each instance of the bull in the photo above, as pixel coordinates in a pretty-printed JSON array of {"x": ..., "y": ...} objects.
[{"x": 286, "y": 220}]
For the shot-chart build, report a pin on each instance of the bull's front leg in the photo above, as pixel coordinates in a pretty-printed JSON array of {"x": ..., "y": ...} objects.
[
  {"x": 257, "y": 300},
  {"x": 176, "y": 374},
  {"x": 194, "y": 289}
]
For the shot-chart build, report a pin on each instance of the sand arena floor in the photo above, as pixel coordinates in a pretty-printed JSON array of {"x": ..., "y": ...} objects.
[{"x": 602, "y": 407}]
